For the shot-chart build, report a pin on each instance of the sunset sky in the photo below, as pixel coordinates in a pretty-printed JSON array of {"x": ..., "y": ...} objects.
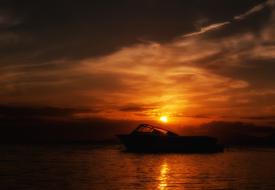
[{"x": 192, "y": 61}]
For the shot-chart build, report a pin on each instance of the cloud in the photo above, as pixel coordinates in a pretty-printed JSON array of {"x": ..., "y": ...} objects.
[
  {"x": 215, "y": 26},
  {"x": 207, "y": 29},
  {"x": 37, "y": 37},
  {"x": 255, "y": 9},
  {"x": 268, "y": 117},
  {"x": 7, "y": 111},
  {"x": 8, "y": 19},
  {"x": 137, "y": 108}
]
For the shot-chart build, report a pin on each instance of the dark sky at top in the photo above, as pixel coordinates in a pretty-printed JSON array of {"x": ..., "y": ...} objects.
[{"x": 38, "y": 31}]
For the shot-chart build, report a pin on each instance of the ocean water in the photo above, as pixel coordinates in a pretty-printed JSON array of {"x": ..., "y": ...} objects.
[{"x": 37, "y": 167}]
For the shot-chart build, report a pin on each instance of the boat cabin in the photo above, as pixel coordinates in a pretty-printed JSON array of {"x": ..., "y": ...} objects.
[{"x": 146, "y": 129}]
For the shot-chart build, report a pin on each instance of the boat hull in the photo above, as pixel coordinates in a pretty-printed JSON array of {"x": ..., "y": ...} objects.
[{"x": 187, "y": 144}]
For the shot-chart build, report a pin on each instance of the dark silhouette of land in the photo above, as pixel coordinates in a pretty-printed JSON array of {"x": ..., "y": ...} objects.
[{"x": 56, "y": 125}]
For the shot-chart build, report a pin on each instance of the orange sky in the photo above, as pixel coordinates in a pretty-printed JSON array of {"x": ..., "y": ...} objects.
[{"x": 192, "y": 78}]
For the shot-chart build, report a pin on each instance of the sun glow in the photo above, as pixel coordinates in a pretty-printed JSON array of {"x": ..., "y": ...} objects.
[{"x": 163, "y": 119}]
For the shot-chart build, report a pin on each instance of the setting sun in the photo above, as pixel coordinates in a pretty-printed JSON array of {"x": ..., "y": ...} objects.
[{"x": 163, "y": 119}]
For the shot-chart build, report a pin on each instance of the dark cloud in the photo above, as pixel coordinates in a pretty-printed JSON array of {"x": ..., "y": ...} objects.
[
  {"x": 259, "y": 72},
  {"x": 252, "y": 24},
  {"x": 267, "y": 118},
  {"x": 137, "y": 108},
  {"x": 37, "y": 112},
  {"x": 204, "y": 116},
  {"x": 50, "y": 30}
]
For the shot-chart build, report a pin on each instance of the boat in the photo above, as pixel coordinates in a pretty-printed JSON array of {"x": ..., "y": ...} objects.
[{"x": 148, "y": 138}]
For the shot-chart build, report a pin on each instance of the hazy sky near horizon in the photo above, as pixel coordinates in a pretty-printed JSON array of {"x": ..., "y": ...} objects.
[{"x": 191, "y": 60}]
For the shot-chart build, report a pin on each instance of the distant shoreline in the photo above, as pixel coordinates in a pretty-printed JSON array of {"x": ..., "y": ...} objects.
[{"x": 116, "y": 142}]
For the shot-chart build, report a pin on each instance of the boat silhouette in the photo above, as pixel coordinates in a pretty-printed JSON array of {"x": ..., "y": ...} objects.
[{"x": 148, "y": 138}]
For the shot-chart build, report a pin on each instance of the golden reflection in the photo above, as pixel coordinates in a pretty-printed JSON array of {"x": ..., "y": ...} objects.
[{"x": 163, "y": 177}]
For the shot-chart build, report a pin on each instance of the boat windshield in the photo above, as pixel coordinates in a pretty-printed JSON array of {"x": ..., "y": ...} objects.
[{"x": 149, "y": 129}]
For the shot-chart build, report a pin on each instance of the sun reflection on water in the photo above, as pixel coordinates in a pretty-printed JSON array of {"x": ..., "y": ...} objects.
[{"x": 163, "y": 177}]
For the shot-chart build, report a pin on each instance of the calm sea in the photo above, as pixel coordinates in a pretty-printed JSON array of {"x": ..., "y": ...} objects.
[{"x": 107, "y": 167}]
